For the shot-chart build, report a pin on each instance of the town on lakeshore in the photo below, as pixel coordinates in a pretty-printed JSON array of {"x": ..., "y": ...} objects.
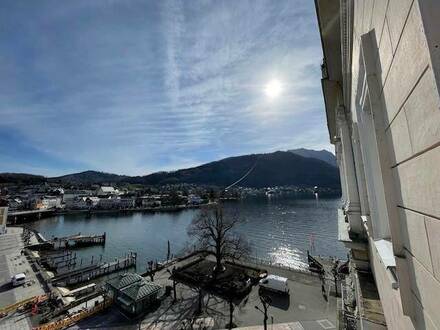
[
  {"x": 30, "y": 202},
  {"x": 277, "y": 164}
]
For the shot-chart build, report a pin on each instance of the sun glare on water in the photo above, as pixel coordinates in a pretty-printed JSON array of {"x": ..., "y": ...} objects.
[{"x": 273, "y": 89}]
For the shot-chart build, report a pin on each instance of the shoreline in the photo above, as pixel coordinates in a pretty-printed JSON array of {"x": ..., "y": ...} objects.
[
  {"x": 176, "y": 208},
  {"x": 35, "y": 215}
]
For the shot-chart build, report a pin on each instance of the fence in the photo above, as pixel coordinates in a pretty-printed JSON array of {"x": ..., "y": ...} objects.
[
  {"x": 14, "y": 307},
  {"x": 69, "y": 320}
]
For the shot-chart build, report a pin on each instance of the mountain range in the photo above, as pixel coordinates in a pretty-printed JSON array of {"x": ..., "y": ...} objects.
[
  {"x": 299, "y": 167},
  {"x": 323, "y": 155}
]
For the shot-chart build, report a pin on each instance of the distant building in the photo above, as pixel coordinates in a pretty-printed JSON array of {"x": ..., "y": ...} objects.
[
  {"x": 49, "y": 202},
  {"x": 151, "y": 201},
  {"x": 106, "y": 191},
  {"x": 194, "y": 199},
  {"x": 108, "y": 203},
  {"x": 85, "y": 202},
  {"x": 132, "y": 293},
  {"x": 15, "y": 204},
  {"x": 57, "y": 191},
  {"x": 116, "y": 203},
  {"x": 126, "y": 203},
  {"x": 70, "y": 195},
  {"x": 381, "y": 79}
]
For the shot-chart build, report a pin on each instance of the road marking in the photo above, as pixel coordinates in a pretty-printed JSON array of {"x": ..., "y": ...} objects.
[
  {"x": 302, "y": 307},
  {"x": 325, "y": 324},
  {"x": 277, "y": 326},
  {"x": 295, "y": 326}
]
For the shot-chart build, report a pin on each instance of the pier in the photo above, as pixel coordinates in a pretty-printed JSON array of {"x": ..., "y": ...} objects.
[
  {"x": 55, "y": 261},
  {"x": 29, "y": 215},
  {"x": 78, "y": 240},
  {"x": 19, "y": 217},
  {"x": 90, "y": 272},
  {"x": 68, "y": 242}
]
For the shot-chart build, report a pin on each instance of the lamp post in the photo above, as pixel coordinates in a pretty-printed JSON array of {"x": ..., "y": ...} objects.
[
  {"x": 335, "y": 276},
  {"x": 174, "y": 283}
]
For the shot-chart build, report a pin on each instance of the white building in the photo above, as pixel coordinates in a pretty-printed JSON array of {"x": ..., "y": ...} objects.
[
  {"x": 380, "y": 78},
  {"x": 107, "y": 191},
  {"x": 49, "y": 202}
]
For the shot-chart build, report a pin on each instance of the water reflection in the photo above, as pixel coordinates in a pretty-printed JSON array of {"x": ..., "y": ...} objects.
[
  {"x": 279, "y": 230},
  {"x": 288, "y": 256}
]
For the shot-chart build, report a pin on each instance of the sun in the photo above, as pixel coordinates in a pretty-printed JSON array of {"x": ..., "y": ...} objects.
[{"x": 273, "y": 89}]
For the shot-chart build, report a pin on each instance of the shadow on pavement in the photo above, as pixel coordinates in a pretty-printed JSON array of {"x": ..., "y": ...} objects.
[
  {"x": 6, "y": 287},
  {"x": 277, "y": 300}
]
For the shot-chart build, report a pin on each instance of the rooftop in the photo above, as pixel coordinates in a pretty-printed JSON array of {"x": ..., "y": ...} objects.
[
  {"x": 107, "y": 189},
  {"x": 134, "y": 286},
  {"x": 124, "y": 280},
  {"x": 141, "y": 290}
]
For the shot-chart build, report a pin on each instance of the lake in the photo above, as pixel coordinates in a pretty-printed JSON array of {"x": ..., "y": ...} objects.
[{"x": 278, "y": 229}]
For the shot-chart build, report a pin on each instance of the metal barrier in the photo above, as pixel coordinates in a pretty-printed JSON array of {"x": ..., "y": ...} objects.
[
  {"x": 14, "y": 307},
  {"x": 68, "y": 321}
]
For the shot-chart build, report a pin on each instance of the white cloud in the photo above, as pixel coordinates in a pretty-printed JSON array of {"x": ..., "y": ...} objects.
[{"x": 143, "y": 86}]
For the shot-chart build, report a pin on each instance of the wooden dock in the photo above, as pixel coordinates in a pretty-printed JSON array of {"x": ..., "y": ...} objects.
[
  {"x": 90, "y": 272},
  {"x": 29, "y": 215},
  {"x": 67, "y": 242},
  {"x": 66, "y": 259}
]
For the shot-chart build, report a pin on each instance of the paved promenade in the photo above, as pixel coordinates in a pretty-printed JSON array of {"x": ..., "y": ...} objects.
[
  {"x": 13, "y": 262},
  {"x": 305, "y": 308}
]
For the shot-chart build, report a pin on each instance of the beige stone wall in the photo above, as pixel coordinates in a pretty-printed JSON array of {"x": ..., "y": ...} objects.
[
  {"x": 411, "y": 113},
  {"x": 390, "y": 298},
  {"x": 3, "y": 219}
]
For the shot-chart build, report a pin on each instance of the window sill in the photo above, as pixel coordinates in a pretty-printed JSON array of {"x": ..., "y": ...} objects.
[
  {"x": 344, "y": 234},
  {"x": 385, "y": 250}
]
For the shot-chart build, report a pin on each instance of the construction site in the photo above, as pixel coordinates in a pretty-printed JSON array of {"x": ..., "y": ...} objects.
[{"x": 45, "y": 284}]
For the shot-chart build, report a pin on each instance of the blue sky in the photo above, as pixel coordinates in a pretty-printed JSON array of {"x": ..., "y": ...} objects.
[{"x": 133, "y": 87}]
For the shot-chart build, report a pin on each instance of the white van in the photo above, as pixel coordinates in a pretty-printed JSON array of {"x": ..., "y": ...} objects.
[
  {"x": 275, "y": 283},
  {"x": 18, "y": 279}
]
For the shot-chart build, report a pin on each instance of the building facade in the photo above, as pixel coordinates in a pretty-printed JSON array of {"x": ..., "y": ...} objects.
[
  {"x": 49, "y": 202},
  {"x": 380, "y": 80},
  {"x": 3, "y": 218},
  {"x": 106, "y": 191}
]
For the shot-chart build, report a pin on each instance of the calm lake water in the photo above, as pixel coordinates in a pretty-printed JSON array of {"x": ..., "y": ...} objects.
[{"x": 279, "y": 229}]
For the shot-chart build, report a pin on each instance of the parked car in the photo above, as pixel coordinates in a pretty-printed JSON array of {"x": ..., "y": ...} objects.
[
  {"x": 18, "y": 279},
  {"x": 275, "y": 283}
]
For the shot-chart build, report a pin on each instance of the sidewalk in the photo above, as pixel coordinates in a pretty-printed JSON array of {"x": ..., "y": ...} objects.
[
  {"x": 305, "y": 308},
  {"x": 13, "y": 262},
  {"x": 305, "y": 325}
]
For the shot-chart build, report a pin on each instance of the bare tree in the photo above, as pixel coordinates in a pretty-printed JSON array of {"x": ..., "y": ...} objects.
[{"x": 214, "y": 231}]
